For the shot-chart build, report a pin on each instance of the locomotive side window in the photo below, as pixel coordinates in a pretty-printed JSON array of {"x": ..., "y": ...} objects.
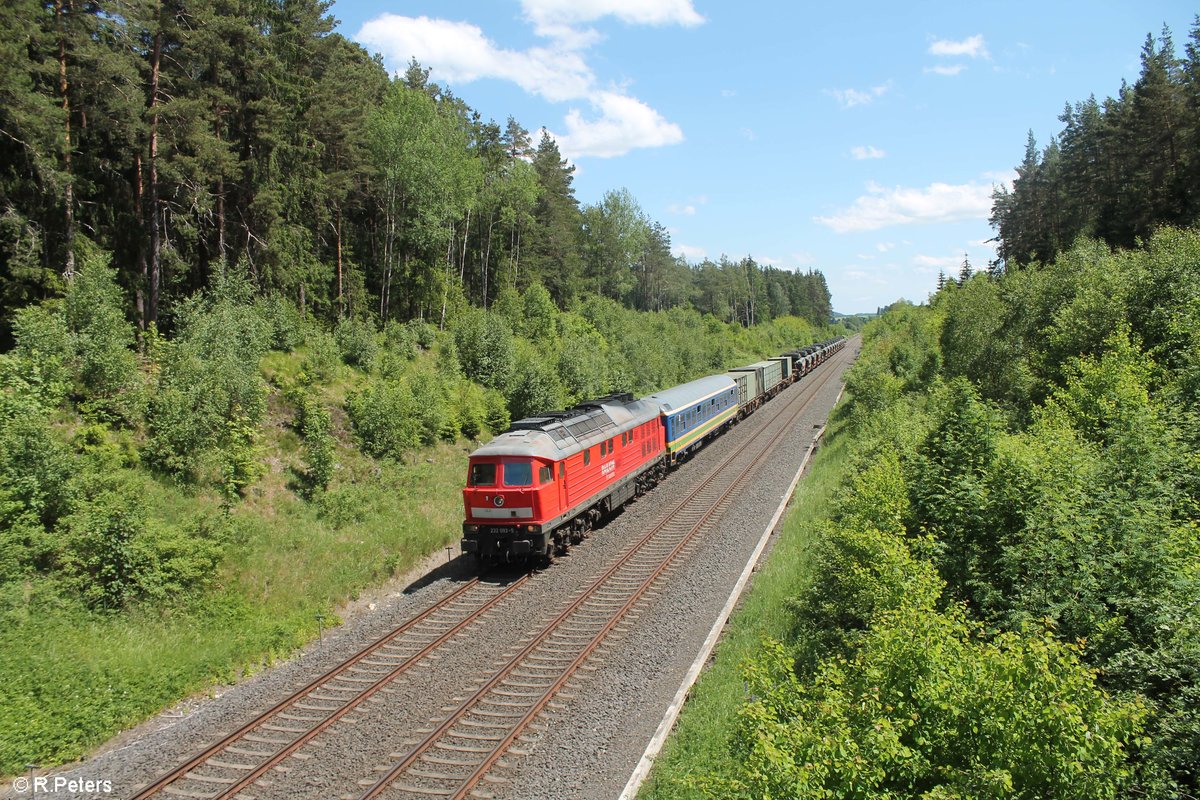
[
  {"x": 483, "y": 475},
  {"x": 518, "y": 473},
  {"x": 545, "y": 474},
  {"x": 587, "y": 456},
  {"x": 562, "y": 469}
]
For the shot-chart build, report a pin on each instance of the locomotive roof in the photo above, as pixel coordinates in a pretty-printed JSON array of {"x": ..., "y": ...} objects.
[
  {"x": 692, "y": 392},
  {"x": 557, "y": 434}
]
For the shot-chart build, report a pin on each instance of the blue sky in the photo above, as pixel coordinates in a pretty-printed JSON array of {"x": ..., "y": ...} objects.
[{"x": 862, "y": 139}]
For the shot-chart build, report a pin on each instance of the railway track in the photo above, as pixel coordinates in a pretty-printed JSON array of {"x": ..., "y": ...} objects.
[
  {"x": 459, "y": 752},
  {"x": 230, "y": 765}
]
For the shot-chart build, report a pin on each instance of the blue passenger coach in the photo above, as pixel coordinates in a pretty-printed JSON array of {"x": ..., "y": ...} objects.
[{"x": 695, "y": 411}]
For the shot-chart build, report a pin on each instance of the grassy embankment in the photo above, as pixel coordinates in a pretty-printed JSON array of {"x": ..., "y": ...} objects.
[{"x": 70, "y": 677}]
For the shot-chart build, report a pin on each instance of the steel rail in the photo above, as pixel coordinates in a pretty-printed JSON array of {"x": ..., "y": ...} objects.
[{"x": 181, "y": 772}]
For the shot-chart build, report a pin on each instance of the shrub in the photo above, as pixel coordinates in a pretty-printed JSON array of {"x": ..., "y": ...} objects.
[
  {"x": 495, "y": 410},
  {"x": 314, "y": 425},
  {"x": 486, "y": 349},
  {"x": 104, "y": 339},
  {"x": 385, "y": 417},
  {"x": 322, "y": 358},
  {"x": 97, "y": 553},
  {"x": 539, "y": 388},
  {"x": 210, "y": 394},
  {"x": 926, "y": 709},
  {"x": 44, "y": 353},
  {"x": 356, "y": 342},
  {"x": 283, "y": 321}
]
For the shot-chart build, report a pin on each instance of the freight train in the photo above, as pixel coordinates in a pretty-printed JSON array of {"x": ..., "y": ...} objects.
[{"x": 542, "y": 485}]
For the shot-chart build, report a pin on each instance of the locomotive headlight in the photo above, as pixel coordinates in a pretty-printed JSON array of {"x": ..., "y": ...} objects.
[{"x": 471, "y": 528}]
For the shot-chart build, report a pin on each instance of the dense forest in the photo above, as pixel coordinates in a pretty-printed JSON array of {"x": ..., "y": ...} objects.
[
  {"x": 182, "y": 138},
  {"x": 1118, "y": 169}
]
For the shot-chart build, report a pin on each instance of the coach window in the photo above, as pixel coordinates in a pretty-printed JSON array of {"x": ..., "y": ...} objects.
[
  {"x": 518, "y": 473},
  {"x": 483, "y": 475}
]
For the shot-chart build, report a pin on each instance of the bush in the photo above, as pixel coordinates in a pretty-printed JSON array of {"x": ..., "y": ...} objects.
[
  {"x": 97, "y": 553},
  {"x": 495, "y": 410},
  {"x": 44, "y": 353},
  {"x": 356, "y": 342},
  {"x": 385, "y": 417},
  {"x": 486, "y": 349},
  {"x": 283, "y": 321},
  {"x": 104, "y": 339},
  {"x": 314, "y": 425},
  {"x": 539, "y": 388},
  {"x": 321, "y": 361},
  {"x": 925, "y": 709},
  {"x": 211, "y": 395}
]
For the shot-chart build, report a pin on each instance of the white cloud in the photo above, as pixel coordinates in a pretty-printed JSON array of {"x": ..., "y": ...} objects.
[
  {"x": 883, "y": 247},
  {"x": 972, "y": 46},
  {"x": 849, "y": 98},
  {"x": 625, "y": 123},
  {"x": 749, "y": 135},
  {"x": 946, "y": 70},
  {"x": 689, "y": 252},
  {"x": 458, "y": 52},
  {"x": 552, "y": 15},
  {"x": 938, "y": 202},
  {"x": 944, "y": 263},
  {"x": 868, "y": 152},
  {"x": 688, "y": 210}
]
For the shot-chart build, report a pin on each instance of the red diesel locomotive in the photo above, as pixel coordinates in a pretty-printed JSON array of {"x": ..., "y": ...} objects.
[{"x": 542, "y": 485}]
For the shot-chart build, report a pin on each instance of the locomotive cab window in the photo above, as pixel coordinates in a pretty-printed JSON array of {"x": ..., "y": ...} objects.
[
  {"x": 518, "y": 473},
  {"x": 545, "y": 474},
  {"x": 482, "y": 475}
]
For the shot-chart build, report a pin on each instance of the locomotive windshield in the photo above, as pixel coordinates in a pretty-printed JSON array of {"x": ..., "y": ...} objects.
[
  {"x": 483, "y": 475},
  {"x": 518, "y": 473}
]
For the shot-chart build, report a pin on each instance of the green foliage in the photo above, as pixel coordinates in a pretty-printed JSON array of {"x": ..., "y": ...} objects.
[
  {"x": 241, "y": 458},
  {"x": 111, "y": 552},
  {"x": 314, "y": 424},
  {"x": 357, "y": 343},
  {"x": 283, "y": 319},
  {"x": 44, "y": 354},
  {"x": 210, "y": 396},
  {"x": 486, "y": 349},
  {"x": 321, "y": 354},
  {"x": 386, "y": 418},
  {"x": 93, "y": 311},
  {"x": 926, "y": 709},
  {"x": 495, "y": 410},
  {"x": 539, "y": 388}
]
